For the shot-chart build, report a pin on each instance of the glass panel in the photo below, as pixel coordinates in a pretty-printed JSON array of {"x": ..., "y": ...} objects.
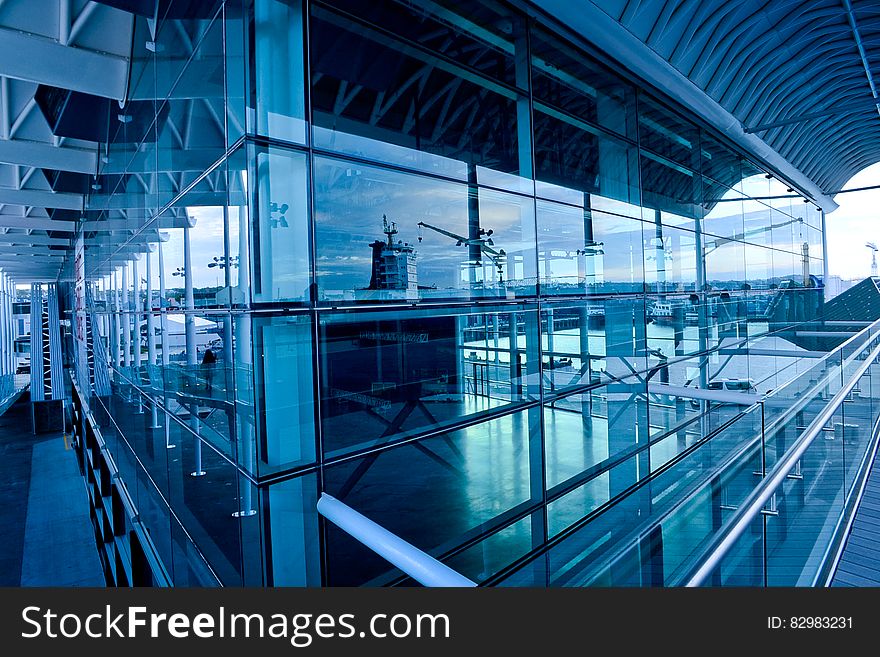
[
  {"x": 280, "y": 239},
  {"x": 278, "y": 70},
  {"x": 435, "y": 493},
  {"x": 664, "y": 133},
  {"x": 281, "y": 369},
  {"x": 572, "y": 156},
  {"x": 378, "y": 94},
  {"x": 390, "y": 375},
  {"x": 235, "y": 22},
  {"x": 293, "y": 530},
  {"x": 369, "y": 221},
  {"x": 563, "y": 77},
  {"x": 191, "y": 124}
]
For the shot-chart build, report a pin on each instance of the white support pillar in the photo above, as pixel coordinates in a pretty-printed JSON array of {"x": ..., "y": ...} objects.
[
  {"x": 227, "y": 318},
  {"x": 105, "y": 319},
  {"x": 9, "y": 327},
  {"x": 189, "y": 302},
  {"x": 12, "y": 335},
  {"x": 124, "y": 319},
  {"x": 151, "y": 341},
  {"x": 151, "y": 323},
  {"x": 163, "y": 327},
  {"x": 4, "y": 325},
  {"x": 136, "y": 357},
  {"x": 12, "y": 299},
  {"x": 116, "y": 354},
  {"x": 191, "y": 357},
  {"x": 163, "y": 318},
  {"x": 244, "y": 360}
]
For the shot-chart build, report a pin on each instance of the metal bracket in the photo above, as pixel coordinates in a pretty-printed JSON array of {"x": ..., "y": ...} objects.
[{"x": 771, "y": 509}]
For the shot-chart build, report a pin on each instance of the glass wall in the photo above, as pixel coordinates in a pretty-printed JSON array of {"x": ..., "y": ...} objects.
[{"x": 429, "y": 258}]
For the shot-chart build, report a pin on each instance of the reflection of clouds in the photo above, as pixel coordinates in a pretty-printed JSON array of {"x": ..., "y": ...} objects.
[{"x": 206, "y": 242}]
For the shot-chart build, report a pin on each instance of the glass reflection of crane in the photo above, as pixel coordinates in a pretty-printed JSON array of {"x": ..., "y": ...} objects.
[
  {"x": 592, "y": 247},
  {"x": 483, "y": 245},
  {"x": 721, "y": 241},
  {"x": 873, "y": 248}
]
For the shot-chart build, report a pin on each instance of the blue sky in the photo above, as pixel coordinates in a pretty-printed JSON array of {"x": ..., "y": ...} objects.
[{"x": 852, "y": 224}]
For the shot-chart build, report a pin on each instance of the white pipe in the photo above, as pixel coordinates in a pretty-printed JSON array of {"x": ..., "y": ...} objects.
[{"x": 419, "y": 565}]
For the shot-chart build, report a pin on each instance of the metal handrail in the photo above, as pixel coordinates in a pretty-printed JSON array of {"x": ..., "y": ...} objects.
[{"x": 722, "y": 542}]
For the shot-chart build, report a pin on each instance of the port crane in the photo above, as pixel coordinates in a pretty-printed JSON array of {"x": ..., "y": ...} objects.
[
  {"x": 873, "y": 248},
  {"x": 482, "y": 243}
]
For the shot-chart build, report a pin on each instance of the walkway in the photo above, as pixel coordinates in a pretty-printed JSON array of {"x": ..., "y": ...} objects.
[
  {"x": 44, "y": 509},
  {"x": 860, "y": 563}
]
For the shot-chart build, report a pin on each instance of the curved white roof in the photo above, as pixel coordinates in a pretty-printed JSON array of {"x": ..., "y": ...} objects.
[{"x": 789, "y": 80}]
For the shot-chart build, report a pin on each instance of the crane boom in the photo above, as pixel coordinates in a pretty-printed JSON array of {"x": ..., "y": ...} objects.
[
  {"x": 461, "y": 239},
  {"x": 721, "y": 241},
  {"x": 483, "y": 243}
]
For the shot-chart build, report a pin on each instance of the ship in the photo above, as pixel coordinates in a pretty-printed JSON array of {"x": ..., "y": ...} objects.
[{"x": 394, "y": 272}]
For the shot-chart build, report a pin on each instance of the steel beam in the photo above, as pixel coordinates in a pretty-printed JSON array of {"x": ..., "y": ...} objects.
[
  {"x": 34, "y": 58},
  {"x": 46, "y": 156},
  {"x": 36, "y": 223},
  {"x": 41, "y": 198}
]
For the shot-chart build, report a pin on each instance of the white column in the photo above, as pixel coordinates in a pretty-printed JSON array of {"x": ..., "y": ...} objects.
[
  {"x": 189, "y": 303},
  {"x": 4, "y": 325},
  {"x": 114, "y": 321},
  {"x": 151, "y": 341},
  {"x": 191, "y": 359},
  {"x": 148, "y": 306},
  {"x": 105, "y": 319},
  {"x": 12, "y": 298},
  {"x": 136, "y": 330},
  {"x": 244, "y": 358},
  {"x": 163, "y": 325},
  {"x": 124, "y": 319},
  {"x": 9, "y": 327},
  {"x": 12, "y": 335},
  {"x": 136, "y": 357}
]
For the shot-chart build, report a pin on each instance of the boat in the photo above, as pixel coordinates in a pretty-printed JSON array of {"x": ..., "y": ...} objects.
[{"x": 660, "y": 311}]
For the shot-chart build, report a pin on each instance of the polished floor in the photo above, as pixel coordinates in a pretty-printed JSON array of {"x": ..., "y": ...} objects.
[
  {"x": 859, "y": 564},
  {"x": 44, "y": 508}
]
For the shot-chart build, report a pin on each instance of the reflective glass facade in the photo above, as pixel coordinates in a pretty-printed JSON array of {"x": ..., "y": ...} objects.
[{"x": 440, "y": 255}]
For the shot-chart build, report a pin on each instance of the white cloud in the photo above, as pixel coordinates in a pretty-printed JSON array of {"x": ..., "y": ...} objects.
[{"x": 855, "y": 222}]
